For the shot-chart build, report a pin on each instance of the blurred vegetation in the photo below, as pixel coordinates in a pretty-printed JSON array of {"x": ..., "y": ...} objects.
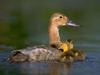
[{"x": 25, "y": 23}]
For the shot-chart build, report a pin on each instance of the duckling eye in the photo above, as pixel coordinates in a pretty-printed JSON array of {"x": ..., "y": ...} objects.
[
  {"x": 60, "y": 17},
  {"x": 61, "y": 50}
]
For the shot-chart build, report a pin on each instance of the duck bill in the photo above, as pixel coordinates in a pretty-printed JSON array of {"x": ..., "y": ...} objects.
[{"x": 72, "y": 24}]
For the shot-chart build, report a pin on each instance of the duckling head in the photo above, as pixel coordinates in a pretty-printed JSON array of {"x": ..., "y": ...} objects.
[
  {"x": 66, "y": 46},
  {"x": 59, "y": 19}
]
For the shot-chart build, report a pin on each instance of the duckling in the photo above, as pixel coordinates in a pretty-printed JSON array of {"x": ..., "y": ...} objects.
[
  {"x": 78, "y": 54},
  {"x": 71, "y": 53},
  {"x": 67, "y": 54},
  {"x": 66, "y": 46},
  {"x": 51, "y": 52}
]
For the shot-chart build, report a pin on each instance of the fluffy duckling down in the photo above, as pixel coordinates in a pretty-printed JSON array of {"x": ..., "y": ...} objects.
[
  {"x": 66, "y": 46},
  {"x": 71, "y": 53}
]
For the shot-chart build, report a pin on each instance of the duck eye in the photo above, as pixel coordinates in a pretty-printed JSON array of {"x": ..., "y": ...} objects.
[{"x": 60, "y": 17}]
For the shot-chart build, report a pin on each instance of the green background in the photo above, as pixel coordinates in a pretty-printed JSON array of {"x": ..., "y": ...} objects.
[{"x": 25, "y": 22}]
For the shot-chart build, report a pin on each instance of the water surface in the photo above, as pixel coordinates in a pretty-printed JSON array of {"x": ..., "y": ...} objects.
[{"x": 90, "y": 66}]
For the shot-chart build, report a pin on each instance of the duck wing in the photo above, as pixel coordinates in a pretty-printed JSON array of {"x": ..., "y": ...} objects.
[{"x": 36, "y": 53}]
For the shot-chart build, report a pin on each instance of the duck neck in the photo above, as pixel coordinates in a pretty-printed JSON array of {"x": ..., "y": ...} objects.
[{"x": 54, "y": 34}]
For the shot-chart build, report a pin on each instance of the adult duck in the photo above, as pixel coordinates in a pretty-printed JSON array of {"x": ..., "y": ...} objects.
[{"x": 50, "y": 52}]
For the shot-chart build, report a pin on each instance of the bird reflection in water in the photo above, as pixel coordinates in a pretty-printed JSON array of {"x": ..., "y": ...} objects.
[{"x": 47, "y": 68}]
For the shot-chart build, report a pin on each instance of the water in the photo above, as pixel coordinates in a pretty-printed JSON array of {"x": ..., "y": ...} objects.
[{"x": 90, "y": 66}]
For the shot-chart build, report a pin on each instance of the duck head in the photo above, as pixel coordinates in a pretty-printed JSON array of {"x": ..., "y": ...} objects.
[{"x": 59, "y": 19}]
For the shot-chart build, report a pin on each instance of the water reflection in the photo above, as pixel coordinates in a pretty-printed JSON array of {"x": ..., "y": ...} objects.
[{"x": 47, "y": 68}]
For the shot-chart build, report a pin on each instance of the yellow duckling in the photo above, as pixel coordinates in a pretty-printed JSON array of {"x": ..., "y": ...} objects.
[
  {"x": 66, "y": 46},
  {"x": 70, "y": 53}
]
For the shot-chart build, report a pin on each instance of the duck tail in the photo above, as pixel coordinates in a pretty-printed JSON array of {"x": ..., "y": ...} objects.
[{"x": 18, "y": 56}]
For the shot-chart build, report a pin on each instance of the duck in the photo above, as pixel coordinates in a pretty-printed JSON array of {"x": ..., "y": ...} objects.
[{"x": 51, "y": 52}]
